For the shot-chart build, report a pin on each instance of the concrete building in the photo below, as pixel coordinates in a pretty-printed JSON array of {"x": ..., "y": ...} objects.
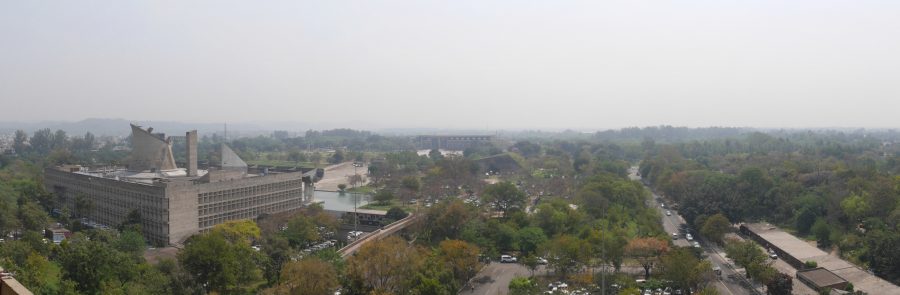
[
  {"x": 820, "y": 278},
  {"x": 10, "y": 286},
  {"x": 451, "y": 142},
  {"x": 175, "y": 203},
  {"x": 796, "y": 252}
]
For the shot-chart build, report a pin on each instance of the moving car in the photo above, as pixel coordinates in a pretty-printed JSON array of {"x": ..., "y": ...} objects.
[{"x": 668, "y": 213}]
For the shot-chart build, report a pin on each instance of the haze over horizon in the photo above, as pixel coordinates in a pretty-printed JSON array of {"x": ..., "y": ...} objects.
[{"x": 455, "y": 65}]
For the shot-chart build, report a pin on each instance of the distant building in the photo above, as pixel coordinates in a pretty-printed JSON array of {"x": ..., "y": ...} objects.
[
  {"x": 175, "y": 203},
  {"x": 57, "y": 235},
  {"x": 501, "y": 163},
  {"x": 451, "y": 142}
]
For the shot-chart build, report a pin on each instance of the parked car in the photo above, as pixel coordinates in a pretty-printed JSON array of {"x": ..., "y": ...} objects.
[
  {"x": 674, "y": 236},
  {"x": 541, "y": 260},
  {"x": 689, "y": 237},
  {"x": 507, "y": 259},
  {"x": 668, "y": 213}
]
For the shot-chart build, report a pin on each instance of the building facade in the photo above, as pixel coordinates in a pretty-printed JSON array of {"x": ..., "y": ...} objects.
[
  {"x": 173, "y": 203},
  {"x": 451, "y": 142}
]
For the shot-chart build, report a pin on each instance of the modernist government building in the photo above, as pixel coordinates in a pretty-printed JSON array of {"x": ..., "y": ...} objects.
[{"x": 176, "y": 202}]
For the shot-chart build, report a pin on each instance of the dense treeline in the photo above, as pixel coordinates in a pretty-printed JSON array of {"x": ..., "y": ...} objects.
[
  {"x": 841, "y": 189},
  {"x": 668, "y": 133}
]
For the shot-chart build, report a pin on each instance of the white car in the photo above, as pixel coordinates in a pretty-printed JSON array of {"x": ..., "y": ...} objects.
[
  {"x": 507, "y": 259},
  {"x": 689, "y": 237},
  {"x": 541, "y": 260},
  {"x": 674, "y": 236},
  {"x": 668, "y": 213}
]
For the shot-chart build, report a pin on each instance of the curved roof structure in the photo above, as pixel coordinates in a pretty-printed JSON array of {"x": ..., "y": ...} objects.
[{"x": 150, "y": 152}]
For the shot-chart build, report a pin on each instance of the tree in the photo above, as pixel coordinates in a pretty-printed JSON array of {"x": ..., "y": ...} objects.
[
  {"x": 646, "y": 251},
  {"x": 279, "y": 251},
  {"x": 238, "y": 231},
  {"x": 750, "y": 256},
  {"x": 33, "y": 217},
  {"x": 883, "y": 257},
  {"x": 715, "y": 228},
  {"x": 527, "y": 148},
  {"x": 435, "y": 155},
  {"x": 220, "y": 264},
  {"x": 342, "y": 187},
  {"x": 564, "y": 254},
  {"x": 781, "y": 284},
  {"x": 89, "y": 262},
  {"x": 522, "y": 286},
  {"x": 447, "y": 220},
  {"x": 410, "y": 186},
  {"x": 396, "y": 213},
  {"x": 504, "y": 196},
  {"x": 60, "y": 140},
  {"x": 132, "y": 221},
  {"x": 130, "y": 242},
  {"x": 301, "y": 230},
  {"x": 385, "y": 266},
  {"x": 20, "y": 143},
  {"x": 383, "y": 196},
  {"x": 40, "y": 275},
  {"x": 684, "y": 270},
  {"x": 355, "y": 179},
  {"x": 822, "y": 231},
  {"x": 530, "y": 239},
  {"x": 296, "y": 156},
  {"x": 531, "y": 262},
  {"x": 309, "y": 276},
  {"x": 42, "y": 141},
  {"x": 337, "y": 157},
  {"x": 806, "y": 217},
  {"x": 460, "y": 257},
  {"x": 83, "y": 206},
  {"x": 855, "y": 207}
]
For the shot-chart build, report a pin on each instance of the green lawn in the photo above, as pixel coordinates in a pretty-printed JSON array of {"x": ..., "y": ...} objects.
[
  {"x": 388, "y": 206},
  {"x": 362, "y": 190}
]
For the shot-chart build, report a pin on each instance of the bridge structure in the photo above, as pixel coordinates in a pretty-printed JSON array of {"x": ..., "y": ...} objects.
[{"x": 376, "y": 235}]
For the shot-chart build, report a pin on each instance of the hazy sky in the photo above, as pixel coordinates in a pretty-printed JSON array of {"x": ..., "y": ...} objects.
[{"x": 455, "y": 64}]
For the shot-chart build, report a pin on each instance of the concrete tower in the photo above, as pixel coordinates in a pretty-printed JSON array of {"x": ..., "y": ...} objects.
[{"x": 191, "y": 144}]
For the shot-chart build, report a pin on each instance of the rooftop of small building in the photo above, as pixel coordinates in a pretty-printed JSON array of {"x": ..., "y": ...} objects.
[
  {"x": 821, "y": 277},
  {"x": 804, "y": 251},
  {"x": 371, "y": 211},
  {"x": 12, "y": 284}
]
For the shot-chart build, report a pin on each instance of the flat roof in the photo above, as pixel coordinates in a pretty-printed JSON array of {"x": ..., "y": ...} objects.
[
  {"x": 370, "y": 211},
  {"x": 821, "y": 277},
  {"x": 804, "y": 251},
  {"x": 786, "y": 242}
]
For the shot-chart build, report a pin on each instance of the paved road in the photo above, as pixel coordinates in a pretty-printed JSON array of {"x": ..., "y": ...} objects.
[
  {"x": 729, "y": 283},
  {"x": 494, "y": 279},
  {"x": 337, "y": 174}
]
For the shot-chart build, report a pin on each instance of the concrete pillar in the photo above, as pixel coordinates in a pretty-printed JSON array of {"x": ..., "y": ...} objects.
[{"x": 191, "y": 144}]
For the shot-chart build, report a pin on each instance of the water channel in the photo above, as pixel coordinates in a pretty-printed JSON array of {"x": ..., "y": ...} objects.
[{"x": 336, "y": 201}]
